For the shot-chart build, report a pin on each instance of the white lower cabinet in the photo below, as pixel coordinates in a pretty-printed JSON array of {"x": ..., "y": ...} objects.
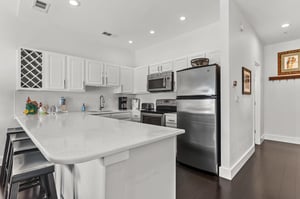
[
  {"x": 140, "y": 79},
  {"x": 56, "y": 71},
  {"x": 76, "y": 71}
]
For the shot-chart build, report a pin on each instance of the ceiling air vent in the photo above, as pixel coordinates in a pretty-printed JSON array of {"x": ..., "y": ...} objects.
[
  {"x": 107, "y": 34},
  {"x": 41, "y": 5}
]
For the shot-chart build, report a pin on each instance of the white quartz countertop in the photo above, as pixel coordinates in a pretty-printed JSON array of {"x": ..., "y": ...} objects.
[{"x": 70, "y": 138}]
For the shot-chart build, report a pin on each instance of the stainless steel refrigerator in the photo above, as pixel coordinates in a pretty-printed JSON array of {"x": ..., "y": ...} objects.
[{"x": 198, "y": 112}]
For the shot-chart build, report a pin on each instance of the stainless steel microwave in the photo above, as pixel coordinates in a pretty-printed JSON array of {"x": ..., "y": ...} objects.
[{"x": 161, "y": 82}]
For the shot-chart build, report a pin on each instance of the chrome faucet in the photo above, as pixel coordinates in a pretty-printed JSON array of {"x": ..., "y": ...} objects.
[{"x": 102, "y": 101}]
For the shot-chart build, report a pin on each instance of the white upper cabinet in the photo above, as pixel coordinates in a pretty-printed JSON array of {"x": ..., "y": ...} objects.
[
  {"x": 140, "y": 79},
  {"x": 56, "y": 71},
  {"x": 214, "y": 57},
  {"x": 154, "y": 68},
  {"x": 161, "y": 67},
  {"x": 94, "y": 73},
  {"x": 126, "y": 79},
  {"x": 180, "y": 63},
  {"x": 112, "y": 75},
  {"x": 166, "y": 66},
  {"x": 76, "y": 71}
]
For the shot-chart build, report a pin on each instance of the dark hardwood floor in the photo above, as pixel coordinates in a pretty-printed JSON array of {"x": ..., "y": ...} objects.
[{"x": 273, "y": 172}]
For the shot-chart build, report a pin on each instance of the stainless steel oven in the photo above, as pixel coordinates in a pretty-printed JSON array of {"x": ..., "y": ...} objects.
[
  {"x": 161, "y": 82},
  {"x": 157, "y": 116}
]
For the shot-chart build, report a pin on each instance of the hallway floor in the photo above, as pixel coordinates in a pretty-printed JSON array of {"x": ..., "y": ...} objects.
[{"x": 273, "y": 172}]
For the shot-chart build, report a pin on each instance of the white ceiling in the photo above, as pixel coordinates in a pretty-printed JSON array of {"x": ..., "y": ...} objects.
[
  {"x": 126, "y": 19},
  {"x": 267, "y": 16}
]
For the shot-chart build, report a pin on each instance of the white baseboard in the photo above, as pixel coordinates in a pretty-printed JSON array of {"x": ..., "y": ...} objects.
[
  {"x": 229, "y": 173},
  {"x": 279, "y": 138}
]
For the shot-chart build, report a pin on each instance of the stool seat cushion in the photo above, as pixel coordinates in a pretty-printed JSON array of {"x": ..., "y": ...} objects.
[
  {"x": 17, "y": 137},
  {"x": 15, "y": 130},
  {"x": 29, "y": 165},
  {"x": 23, "y": 146}
]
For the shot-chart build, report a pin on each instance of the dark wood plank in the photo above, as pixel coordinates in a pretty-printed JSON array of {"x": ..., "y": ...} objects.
[{"x": 273, "y": 172}]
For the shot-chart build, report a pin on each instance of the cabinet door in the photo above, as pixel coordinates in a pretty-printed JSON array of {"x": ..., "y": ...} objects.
[
  {"x": 179, "y": 64},
  {"x": 94, "y": 73},
  {"x": 140, "y": 79},
  {"x": 214, "y": 57},
  {"x": 76, "y": 74},
  {"x": 56, "y": 67},
  {"x": 166, "y": 66},
  {"x": 112, "y": 73},
  {"x": 154, "y": 68},
  {"x": 126, "y": 78}
]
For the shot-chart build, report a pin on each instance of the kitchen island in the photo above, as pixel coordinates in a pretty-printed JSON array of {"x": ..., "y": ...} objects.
[{"x": 106, "y": 158}]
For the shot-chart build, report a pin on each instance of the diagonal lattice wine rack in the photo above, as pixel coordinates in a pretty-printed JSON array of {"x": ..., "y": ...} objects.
[{"x": 31, "y": 69}]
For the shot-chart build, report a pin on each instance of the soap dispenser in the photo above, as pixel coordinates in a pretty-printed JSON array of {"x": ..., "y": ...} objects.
[{"x": 83, "y": 108}]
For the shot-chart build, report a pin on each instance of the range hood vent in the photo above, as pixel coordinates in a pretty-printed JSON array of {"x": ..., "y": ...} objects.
[{"x": 42, "y": 6}]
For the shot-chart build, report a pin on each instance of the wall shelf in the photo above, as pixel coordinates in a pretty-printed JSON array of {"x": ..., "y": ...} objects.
[{"x": 284, "y": 77}]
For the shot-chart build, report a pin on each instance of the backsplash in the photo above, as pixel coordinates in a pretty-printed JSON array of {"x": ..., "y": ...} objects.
[{"x": 74, "y": 100}]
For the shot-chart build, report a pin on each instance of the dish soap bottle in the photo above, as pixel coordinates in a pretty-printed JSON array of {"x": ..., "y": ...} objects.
[{"x": 83, "y": 108}]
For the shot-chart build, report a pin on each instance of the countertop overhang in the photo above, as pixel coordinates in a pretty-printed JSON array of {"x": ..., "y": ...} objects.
[{"x": 70, "y": 138}]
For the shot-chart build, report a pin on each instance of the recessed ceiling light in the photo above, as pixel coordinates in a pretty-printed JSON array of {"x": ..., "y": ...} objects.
[
  {"x": 74, "y": 2},
  {"x": 182, "y": 18},
  {"x": 130, "y": 42},
  {"x": 152, "y": 32},
  {"x": 286, "y": 25}
]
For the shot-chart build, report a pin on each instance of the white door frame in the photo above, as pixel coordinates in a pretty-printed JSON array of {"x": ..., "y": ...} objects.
[{"x": 257, "y": 103}]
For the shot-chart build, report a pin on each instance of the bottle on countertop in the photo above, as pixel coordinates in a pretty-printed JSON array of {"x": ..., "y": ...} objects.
[{"x": 83, "y": 108}]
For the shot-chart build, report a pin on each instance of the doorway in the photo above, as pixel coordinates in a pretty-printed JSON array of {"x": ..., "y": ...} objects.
[{"x": 257, "y": 100}]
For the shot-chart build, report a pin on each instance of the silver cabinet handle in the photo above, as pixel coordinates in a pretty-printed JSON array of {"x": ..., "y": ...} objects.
[
  {"x": 158, "y": 68},
  {"x": 164, "y": 82},
  {"x": 106, "y": 79},
  {"x": 161, "y": 69},
  {"x": 103, "y": 78},
  {"x": 64, "y": 83}
]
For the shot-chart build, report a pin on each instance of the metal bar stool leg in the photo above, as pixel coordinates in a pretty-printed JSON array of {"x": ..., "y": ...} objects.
[
  {"x": 4, "y": 162},
  {"x": 51, "y": 186},
  {"x": 13, "y": 190}
]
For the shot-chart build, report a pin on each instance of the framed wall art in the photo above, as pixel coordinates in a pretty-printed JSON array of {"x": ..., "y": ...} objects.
[
  {"x": 246, "y": 81},
  {"x": 289, "y": 62}
]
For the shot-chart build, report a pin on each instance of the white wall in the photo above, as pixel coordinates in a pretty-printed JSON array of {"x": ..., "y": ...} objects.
[
  {"x": 15, "y": 33},
  {"x": 244, "y": 50},
  {"x": 281, "y": 98}
]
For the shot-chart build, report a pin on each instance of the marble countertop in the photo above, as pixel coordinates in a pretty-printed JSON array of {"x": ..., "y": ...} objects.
[{"x": 75, "y": 137}]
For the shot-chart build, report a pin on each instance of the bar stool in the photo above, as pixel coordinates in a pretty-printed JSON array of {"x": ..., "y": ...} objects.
[
  {"x": 28, "y": 166},
  {"x": 16, "y": 142},
  {"x": 12, "y": 134}
]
